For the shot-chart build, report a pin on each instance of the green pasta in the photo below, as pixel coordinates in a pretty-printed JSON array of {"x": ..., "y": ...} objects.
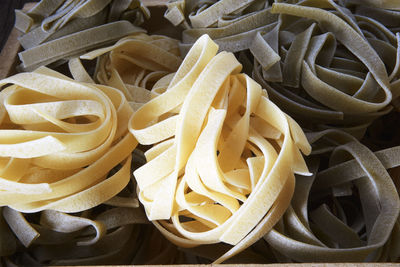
[
  {"x": 58, "y": 30},
  {"x": 347, "y": 212},
  {"x": 321, "y": 63},
  {"x": 331, "y": 65}
]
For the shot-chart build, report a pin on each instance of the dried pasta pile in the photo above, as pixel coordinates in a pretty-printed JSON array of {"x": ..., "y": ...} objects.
[
  {"x": 59, "y": 141},
  {"x": 161, "y": 151},
  {"x": 322, "y": 64},
  {"x": 66, "y": 148},
  {"x": 55, "y": 30},
  {"x": 104, "y": 235},
  {"x": 347, "y": 212},
  {"x": 334, "y": 67},
  {"x": 224, "y": 157}
]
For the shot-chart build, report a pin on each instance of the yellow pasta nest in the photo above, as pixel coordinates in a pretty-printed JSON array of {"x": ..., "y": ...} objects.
[
  {"x": 59, "y": 139},
  {"x": 224, "y": 156}
]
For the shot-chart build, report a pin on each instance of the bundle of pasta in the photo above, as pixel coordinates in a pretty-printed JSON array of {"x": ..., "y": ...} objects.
[
  {"x": 347, "y": 211},
  {"x": 102, "y": 235},
  {"x": 135, "y": 65},
  {"x": 55, "y": 30},
  {"x": 224, "y": 156},
  {"x": 59, "y": 139},
  {"x": 329, "y": 64},
  {"x": 380, "y": 20},
  {"x": 231, "y": 24}
]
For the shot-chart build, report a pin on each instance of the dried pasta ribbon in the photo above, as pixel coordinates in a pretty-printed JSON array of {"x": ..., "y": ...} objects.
[
  {"x": 49, "y": 19},
  {"x": 234, "y": 28},
  {"x": 220, "y": 147},
  {"x": 60, "y": 139},
  {"x": 385, "y": 4},
  {"x": 347, "y": 212},
  {"x": 210, "y": 15},
  {"x": 75, "y": 44},
  {"x": 55, "y": 31},
  {"x": 386, "y": 16},
  {"x": 22, "y": 229},
  {"x": 136, "y": 65}
]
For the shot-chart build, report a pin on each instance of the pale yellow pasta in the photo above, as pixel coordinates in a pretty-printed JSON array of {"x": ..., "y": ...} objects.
[
  {"x": 59, "y": 140},
  {"x": 136, "y": 65},
  {"x": 211, "y": 176}
]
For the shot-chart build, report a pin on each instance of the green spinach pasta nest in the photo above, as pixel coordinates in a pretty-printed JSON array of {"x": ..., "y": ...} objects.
[
  {"x": 347, "y": 211},
  {"x": 329, "y": 64}
]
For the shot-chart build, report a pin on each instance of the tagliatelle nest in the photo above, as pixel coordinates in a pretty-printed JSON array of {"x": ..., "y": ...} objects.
[
  {"x": 328, "y": 64},
  {"x": 59, "y": 141},
  {"x": 102, "y": 235},
  {"x": 224, "y": 157},
  {"x": 347, "y": 211},
  {"x": 54, "y": 31}
]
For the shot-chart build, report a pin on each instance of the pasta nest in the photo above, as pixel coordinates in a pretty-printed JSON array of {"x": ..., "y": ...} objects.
[
  {"x": 328, "y": 64},
  {"x": 223, "y": 158},
  {"x": 347, "y": 211},
  {"x": 59, "y": 141}
]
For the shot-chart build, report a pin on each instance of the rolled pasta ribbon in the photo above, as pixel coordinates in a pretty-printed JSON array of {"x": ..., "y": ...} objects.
[
  {"x": 59, "y": 141},
  {"x": 138, "y": 65},
  {"x": 347, "y": 211},
  {"x": 224, "y": 156}
]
